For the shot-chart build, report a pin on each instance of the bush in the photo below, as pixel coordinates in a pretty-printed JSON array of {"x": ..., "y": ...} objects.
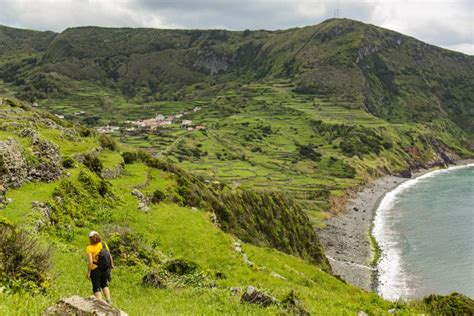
[
  {"x": 93, "y": 163},
  {"x": 453, "y": 304},
  {"x": 129, "y": 248},
  {"x": 107, "y": 142},
  {"x": 84, "y": 131},
  {"x": 307, "y": 151},
  {"x": 68, "y": 162},
  {"x": 129, "y": 157},
  {"x": 158, "y": 196},
  {"x": 79, "y": 203},
  {"x": 180, "y": 266},
  {"x": 23, "y": 262}
]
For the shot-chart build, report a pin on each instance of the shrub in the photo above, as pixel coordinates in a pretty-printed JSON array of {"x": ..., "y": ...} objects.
[
  {"x": 84, "y": 131},
  {"x": 93, "y": 163},
  {"x": 453, "y": 304},
  {"x": 180, "y": 266},
  {"x": 78, "y": 203},
  {"x": 129, "y": 248},
  {"x": 154, "y": 279},
  {"x": 23, "y": 262},
  {"x": 68, "y": 162},
  {"x": 107, "y": 142},
  {"x": 158, "y": 196},
  {"x": 129, "y": 157},
  {"x": 307, "y": 151}
]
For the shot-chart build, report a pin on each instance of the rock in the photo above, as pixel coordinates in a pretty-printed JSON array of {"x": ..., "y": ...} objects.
[
  {"x": 28, "y": 132},
  {"x": 45, "y": 210},
  {"x": 211, "y": 62},
  {"x": 13, "y": 166},
  {"x": 237, "y": 247},
  {"x": 143, "y": 201},
  {"x": 49, "y": 168},
  {"x": 215, "y": 220},
  {"x": 277, "y": 276},
  {"x": 112, "y": 173},
  {"x": 83, "y": 306},
  {"x": 154, "y": 279},
  {"x": 254, "y": 296},
  {"x": 235, "y": 290},
  {"x": 247, "y": 261},
  {"x": 392, "y": 311},
  {"x": 362, "y": 313},
  {"x": 405, "y": 174}
]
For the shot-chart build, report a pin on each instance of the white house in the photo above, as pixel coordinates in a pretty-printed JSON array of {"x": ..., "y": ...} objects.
[{"x": 187, "y": 123}]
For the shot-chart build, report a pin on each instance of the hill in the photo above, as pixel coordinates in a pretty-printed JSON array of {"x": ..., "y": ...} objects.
[
  {"x": 221, "y": 153},
  {"x": 61, "y": 180},
  {"x": 380, "y": 71}
]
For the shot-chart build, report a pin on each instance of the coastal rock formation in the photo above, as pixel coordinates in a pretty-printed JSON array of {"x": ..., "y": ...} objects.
[{"x": 81, "y": 306}]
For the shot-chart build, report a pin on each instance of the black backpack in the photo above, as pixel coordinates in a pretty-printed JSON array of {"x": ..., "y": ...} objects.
[{"x": 103, "y": 261}]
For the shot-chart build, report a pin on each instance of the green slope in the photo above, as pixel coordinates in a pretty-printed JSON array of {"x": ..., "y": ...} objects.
[
  {"x": 167, "y": 230},
  {"x": 380, "y": 71}
]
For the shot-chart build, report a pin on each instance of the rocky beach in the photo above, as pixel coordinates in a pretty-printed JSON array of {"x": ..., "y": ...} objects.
[{"x": 346, "y": 235}]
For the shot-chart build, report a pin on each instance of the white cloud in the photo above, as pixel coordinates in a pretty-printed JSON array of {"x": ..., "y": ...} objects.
[{"x": 446, "y": 23}]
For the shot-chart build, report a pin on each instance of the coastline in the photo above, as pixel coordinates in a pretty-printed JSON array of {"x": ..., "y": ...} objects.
[{"x": 346, "y": 237}]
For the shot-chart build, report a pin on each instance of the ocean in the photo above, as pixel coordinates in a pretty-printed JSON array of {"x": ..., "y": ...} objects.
[{"x": 425, "y": 229}]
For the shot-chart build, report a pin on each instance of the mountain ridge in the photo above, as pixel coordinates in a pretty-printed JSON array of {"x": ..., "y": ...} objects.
[{"x": 384, "y": 72}]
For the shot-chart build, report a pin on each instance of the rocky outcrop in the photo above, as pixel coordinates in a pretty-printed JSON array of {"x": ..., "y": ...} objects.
[
  {"x": 83, "y": 306},
  {"x": 212, "y": 62},
  {"x": 143, "y": 201},
  {"x": 254, "y": 296},
  {"x": 13, "y": 165},
  {"x": 49, "y": 167}
]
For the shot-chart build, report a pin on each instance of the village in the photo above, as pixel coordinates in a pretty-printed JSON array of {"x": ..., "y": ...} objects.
[{"x": 154, "y": 123}]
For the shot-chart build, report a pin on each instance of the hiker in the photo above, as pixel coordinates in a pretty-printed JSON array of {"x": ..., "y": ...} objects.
[{"x": 99, "y": 265}]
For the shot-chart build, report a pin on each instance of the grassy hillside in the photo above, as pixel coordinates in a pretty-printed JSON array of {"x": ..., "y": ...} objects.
[
  {"x": 379, "y": 71},
  {"x": 60, "y": 212},
  {"x": 291, "y": 122}
]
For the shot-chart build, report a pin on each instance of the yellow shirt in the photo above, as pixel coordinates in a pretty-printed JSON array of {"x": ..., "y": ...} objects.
[{"x": 94, "y": 250}]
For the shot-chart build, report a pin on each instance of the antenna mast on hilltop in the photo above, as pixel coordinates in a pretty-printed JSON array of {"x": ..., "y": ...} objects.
[{"x": 336, "y": 13}]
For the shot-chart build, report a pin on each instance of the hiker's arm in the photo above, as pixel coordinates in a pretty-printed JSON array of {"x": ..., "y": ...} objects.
[
  {"x": 89, "y": 264},
  {"x": 111, "y": 260}
]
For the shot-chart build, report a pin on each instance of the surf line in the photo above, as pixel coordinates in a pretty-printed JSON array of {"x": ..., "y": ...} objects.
[{"x": 391, "y": 281}]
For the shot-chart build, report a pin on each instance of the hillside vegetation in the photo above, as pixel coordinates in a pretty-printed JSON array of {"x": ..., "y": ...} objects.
[
  {"x": 58, "y": 198},
  {"x": 291, "y": 123},
  {"x": 380, "y": 71}
]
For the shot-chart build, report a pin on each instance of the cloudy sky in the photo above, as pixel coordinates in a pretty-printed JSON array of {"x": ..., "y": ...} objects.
[{"x": 446, "y": 23}]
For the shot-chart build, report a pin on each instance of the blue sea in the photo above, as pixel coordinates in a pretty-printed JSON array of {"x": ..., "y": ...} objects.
[{"x": 425, "y": 228}]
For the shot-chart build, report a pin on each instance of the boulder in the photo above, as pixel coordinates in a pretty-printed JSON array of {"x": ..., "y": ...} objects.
[
  {"x": 143, "y": 201},
  {"x": 13, "y": 166},
  {"x": 50, "y": 166},
  {"x": 83, "y": 306},
  {"x": 405, "y": 174},
  {"x": 254, "y": 296}
]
